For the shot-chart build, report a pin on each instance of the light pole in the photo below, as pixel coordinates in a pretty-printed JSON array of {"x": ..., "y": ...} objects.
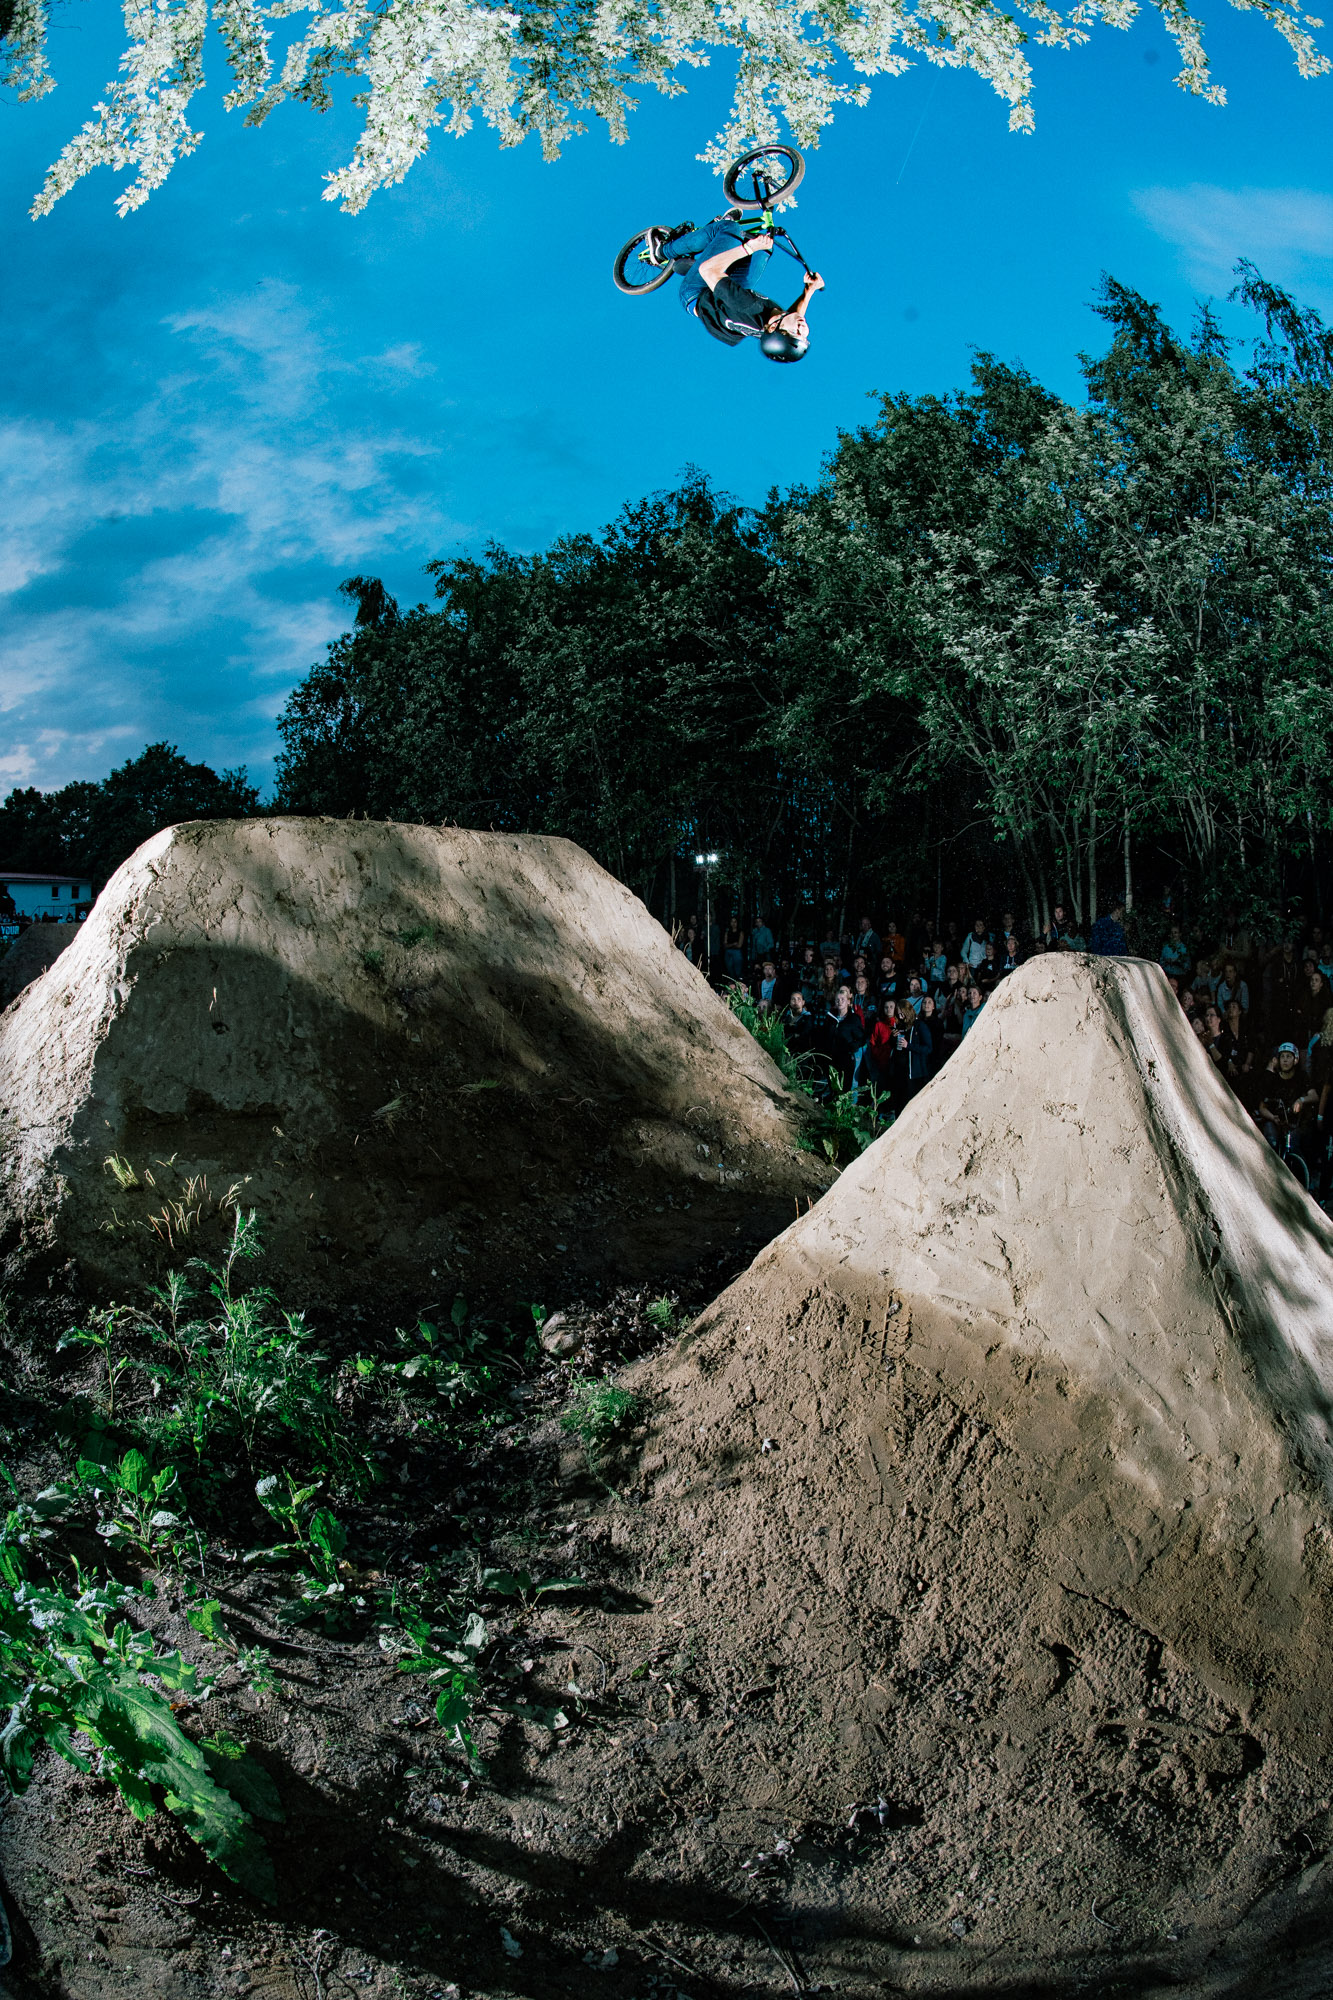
[{"x": 708, "y": 862}]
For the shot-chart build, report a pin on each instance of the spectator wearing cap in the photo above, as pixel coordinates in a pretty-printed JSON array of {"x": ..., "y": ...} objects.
[{"x": 1287, "y": 1097}]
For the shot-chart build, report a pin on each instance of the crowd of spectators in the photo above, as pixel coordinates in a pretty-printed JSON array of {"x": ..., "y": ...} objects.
[{"x": 883, "y": 1008}]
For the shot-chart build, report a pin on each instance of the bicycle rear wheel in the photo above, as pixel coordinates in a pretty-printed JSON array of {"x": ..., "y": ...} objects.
[
  {"x": 633, "y": 273},
  {"x": 764, "y": 175}
]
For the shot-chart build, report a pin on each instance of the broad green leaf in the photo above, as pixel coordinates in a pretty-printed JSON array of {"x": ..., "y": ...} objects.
[
  {"x": 232, "y": 1767},
  {"x": 328, "y": 1533},
  {"x": 207, "y": 1618}
]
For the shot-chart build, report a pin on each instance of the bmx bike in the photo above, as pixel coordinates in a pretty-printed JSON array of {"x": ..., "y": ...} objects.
[
  {"x": 754, "y": 182},
  {"x": 1292, "y": 1159}
]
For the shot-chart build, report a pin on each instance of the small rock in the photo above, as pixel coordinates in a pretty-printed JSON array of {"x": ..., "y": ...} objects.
[
  {"x": 602, "y": 1961},
  {"x": 512, "y": 1947}
]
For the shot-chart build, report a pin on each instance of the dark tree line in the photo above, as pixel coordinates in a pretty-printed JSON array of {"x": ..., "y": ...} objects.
[
  {"x": 88, "y": 828},
  {"x": 1005, "y": 646},
  {"x": 1006, "y": 651}
]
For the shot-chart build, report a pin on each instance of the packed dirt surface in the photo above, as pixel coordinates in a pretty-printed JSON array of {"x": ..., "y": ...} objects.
[
  {"x": 423, "y": 1055},
  {"x": 27, "y": 958},
  {"x": 950, "y": 1616},
  {"x": 1001, "y": 1481}
]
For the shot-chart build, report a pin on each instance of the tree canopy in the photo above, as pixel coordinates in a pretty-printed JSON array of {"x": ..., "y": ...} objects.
[
  {"x": 88, "y": 828},
  {"x": 525, "y": 67},
  {"x": 1003, "y": 637}
]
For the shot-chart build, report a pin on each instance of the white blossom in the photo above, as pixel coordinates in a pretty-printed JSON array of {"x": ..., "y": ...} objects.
[{"x": 541, "y": 66}]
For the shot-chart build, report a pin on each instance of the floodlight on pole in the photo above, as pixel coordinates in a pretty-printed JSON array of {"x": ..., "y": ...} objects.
[{"x": 708, "y": 862}]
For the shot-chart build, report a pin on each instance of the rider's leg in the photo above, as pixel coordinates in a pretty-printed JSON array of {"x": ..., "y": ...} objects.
[
  {"x": 716, "y": 235},
  {"x": 693, "y": 241}
]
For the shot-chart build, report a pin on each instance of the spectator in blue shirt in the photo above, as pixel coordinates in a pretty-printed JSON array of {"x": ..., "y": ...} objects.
[
  {"x": 1175, "y": 954},
  {"x": 1107, "y": 936},
  {"x": 762, "y": 942},
  {"x": 1232, "y": 987},
  {"x": 975, "y": 1003}
]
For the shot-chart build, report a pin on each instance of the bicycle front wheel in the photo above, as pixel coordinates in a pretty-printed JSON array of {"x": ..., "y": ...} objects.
[
  {"x": 763, "y": 176},
  {"x": 632, "y": 271}
]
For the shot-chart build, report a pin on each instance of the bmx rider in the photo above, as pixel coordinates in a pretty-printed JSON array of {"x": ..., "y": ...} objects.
[{"x": 720, "y": 288}]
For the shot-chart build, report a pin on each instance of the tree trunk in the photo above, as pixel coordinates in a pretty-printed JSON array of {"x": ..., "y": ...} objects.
[
  {"x": 1092, "y": 864},
  {"x": 1129, "y": 875}
]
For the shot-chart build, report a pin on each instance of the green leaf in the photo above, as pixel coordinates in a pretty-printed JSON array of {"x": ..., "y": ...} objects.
[
  {"x": 133, "y": 1474},
  {"x": 207, "y": 1618},
  {"x": 149, "y": 1747},
  {"x": 506, "y": 1582},
  {"x": 458, "y": 1312},
  {"x": 328, "y": 1533},
  {"x": 232, "y": 1767}
]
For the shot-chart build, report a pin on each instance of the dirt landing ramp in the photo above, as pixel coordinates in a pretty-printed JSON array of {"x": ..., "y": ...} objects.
[
  {"x": 32, "y": 951},
  {"x": 433, "y": 1058},
  {"x": 1000, "y": 1485}
]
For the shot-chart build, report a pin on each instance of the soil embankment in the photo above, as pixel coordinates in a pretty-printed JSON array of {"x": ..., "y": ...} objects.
[
  {"x": 999, "y": 1490},
  {"x": 32, "y": 951},
  {"x": 423, "y": 1055}
]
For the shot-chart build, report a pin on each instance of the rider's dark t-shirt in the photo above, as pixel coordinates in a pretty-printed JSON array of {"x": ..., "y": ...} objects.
[{"x": 732, "y": 313}]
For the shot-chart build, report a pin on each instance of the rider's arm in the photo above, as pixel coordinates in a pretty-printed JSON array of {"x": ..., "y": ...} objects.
[
  {"x": 813, "y": 283},
  {"x": 717, "y": 267}
]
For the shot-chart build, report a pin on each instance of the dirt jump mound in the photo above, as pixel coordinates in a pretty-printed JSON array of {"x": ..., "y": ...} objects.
[
  {"x": 999, "y": 1488},
  {"x": 30, "y": 954},
  {"x": 418, "y": 1053}
]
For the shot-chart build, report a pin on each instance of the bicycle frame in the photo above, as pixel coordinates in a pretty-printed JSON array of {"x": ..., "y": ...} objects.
[{"x": 766, "y": 225}]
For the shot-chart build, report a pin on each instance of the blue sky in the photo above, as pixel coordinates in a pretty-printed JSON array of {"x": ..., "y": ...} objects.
[{"x": 214, "y": 410}]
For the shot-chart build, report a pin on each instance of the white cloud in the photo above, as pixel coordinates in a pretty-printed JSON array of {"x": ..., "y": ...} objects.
[
  {"x": 150, "y": 530},
  {"x": 1287, "y": 232}
]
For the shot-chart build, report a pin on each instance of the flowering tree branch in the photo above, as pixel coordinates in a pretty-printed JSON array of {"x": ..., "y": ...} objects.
[{"x": 541, "y": 66}]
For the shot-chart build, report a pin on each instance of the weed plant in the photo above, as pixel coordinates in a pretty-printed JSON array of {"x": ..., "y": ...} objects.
[
  {"x": 453, "y": 1379},
  {"x": 225, "y": 1375},
  {"x": 207, "y": 1384},
  {"x": 598, "y": 1414},
  {"x": 72, "y": 1666}
]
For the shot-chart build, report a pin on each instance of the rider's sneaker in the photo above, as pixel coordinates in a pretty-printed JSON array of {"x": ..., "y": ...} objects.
[{"x": 658, "y": 239}]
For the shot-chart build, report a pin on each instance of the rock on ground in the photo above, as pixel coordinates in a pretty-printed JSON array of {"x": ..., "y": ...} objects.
[
  {"x": 996, "y": 1497},
  {"x": 431, "y": 1059}
]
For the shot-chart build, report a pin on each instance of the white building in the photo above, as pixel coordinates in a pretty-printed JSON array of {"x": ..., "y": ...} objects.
[{"x": 65, "y": 897}]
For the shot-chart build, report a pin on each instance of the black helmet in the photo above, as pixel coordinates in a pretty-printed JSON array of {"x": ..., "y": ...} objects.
[{"x": 780, "y": 346}]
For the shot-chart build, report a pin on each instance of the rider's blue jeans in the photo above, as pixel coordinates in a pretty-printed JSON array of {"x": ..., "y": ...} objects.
[{"x": 701, "y": 244}]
